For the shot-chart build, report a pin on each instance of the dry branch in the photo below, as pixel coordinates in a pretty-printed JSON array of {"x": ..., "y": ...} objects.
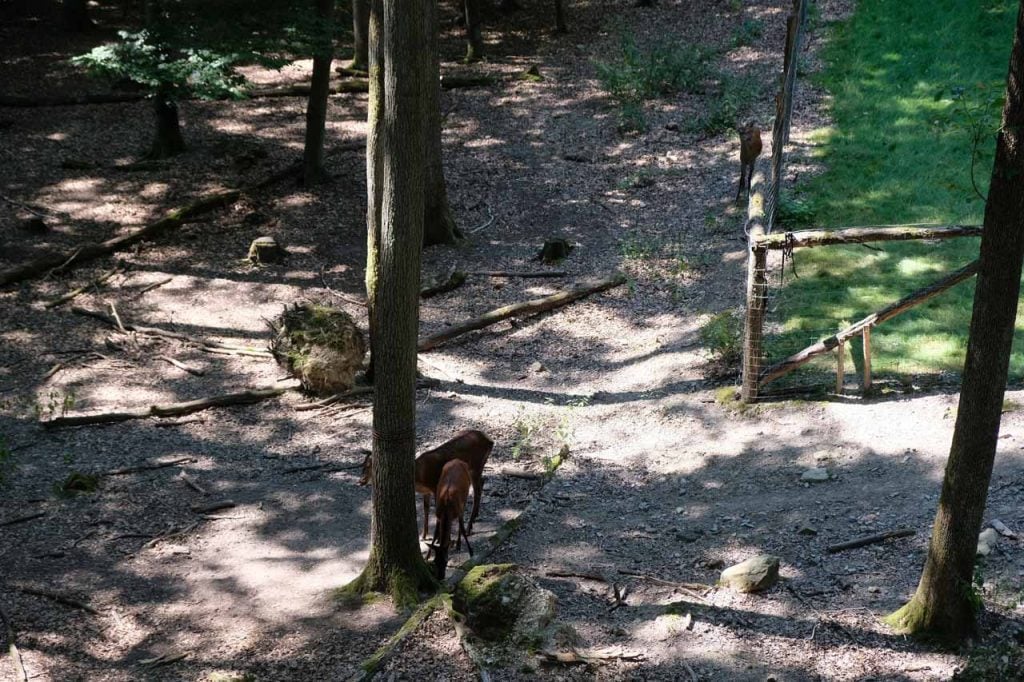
[
  {"x": 22, "y": 519},
  {"x": 148, "y": 467},
  {"x": 513, "y": 273},
  {"x": 369, "y": 667},
  {"x": 870, "y": 540},
  {"x": 90, "y": 251},
  {"x": 537, "y": 305},
  {"x": 860, "y": 235},
  {"x": 153, "y": 285},
  {"x": 85, "y": 287},
  {"x": 60, "y": 599},
  {"x": 888, "y": 312},
  {"x": 12, "y": 647},
  {"x": 168, "y": 410},
  {"x": 212, "y": 507},
  {"x": 182, "y": 366},
  {"x": 590, "y": 656}
]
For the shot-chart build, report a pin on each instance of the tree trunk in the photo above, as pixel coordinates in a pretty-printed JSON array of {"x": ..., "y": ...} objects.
[
  {"x": 168, "y": 141},
  {"x": 360, "y": 35},
  {"x": 945, "y": 604},
  {"x": 316, "y": 107},
  {"x": 439, "y": 223},
  {"x": 396, "y": 180},
  {"x": 76, "y": 15},
  {"x": 474, "y": 38},
  {"x": 374, "y": 170},
  {"x": 560, "y": 25}
]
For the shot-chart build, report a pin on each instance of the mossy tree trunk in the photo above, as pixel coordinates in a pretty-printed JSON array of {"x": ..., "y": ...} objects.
[
  {"x": 360, "y": 35},
  {"x": 439, "y": 222},
  {"x": 396, "y": 181},
  {"x": 374, "y": 167},
  {"x": 944, "y": 605},
  {"x": 316, "y": 106},
  {"x": 168, "y": 140}
]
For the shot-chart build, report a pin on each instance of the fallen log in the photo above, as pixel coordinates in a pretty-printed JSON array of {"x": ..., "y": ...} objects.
[
  {"x": 534, "y": 306},
  {"x": 169, "y": 410},
  {"x": 511, "y": 273},
  {"x": 860, "y": 235},
  {"x": 148, "y": 467},
  {"x": 87, "y": 252},
  {"x": 870, "y": 540},
  {"x": 22, "y": 519},
  {"x": 892, "y": 310}
]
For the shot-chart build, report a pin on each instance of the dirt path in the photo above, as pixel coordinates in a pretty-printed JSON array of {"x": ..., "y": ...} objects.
[{"x": 662, "y": 480}]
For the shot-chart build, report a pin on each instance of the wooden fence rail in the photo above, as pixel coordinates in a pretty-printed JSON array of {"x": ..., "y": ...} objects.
[{"x": 860, "y": 235}]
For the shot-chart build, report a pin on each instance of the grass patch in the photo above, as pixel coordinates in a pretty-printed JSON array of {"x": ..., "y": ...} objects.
[{"x": 913, "y": 85}]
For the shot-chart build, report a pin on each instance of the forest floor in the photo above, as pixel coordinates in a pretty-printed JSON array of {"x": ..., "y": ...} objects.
[{"x": 661, "y": 480}]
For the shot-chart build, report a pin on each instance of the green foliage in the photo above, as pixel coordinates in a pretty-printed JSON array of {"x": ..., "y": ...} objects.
[
  {"x": 637, "y": 75},
  {"x": 723, "y": 337},
  {"x": 747, "y": 32},
  {"x": 76, "y": 482},
  {"x": 916, "y": 88},
  {"x": 728, "y": 105},
  {"x": 140, "y": 58},
  {"x": 793, "y": 213}
]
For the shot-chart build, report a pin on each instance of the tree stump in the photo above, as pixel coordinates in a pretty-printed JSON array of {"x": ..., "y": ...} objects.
[
  {"x": 555, "y": 250},
  {"x": 266, "y": 250},
  {"x": 320, "y": 346}
]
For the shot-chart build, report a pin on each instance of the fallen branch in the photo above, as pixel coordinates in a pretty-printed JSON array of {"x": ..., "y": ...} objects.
[
  {"x": 153, "y": 285},
  {"x": 182, "y": 366},
  {"x": 870, "y": 540},
  {"x": 534, "y": 306},
  {"x": 12, "y": 647},
  {"x": 330, "y": 400},
  {"x": 85, "y": 287},
  {"x": 60, "y": 599},
  {"x": 28, "y": 207},
  {"x": 192, "y": 483},
  {"x": 512, "y": 273},
  {"x": 859, "y": 235},
  {"x": 571, "y": 574},
  {"x": 22, "y": 519},
  {"x": 148, "y": 467},
  {"x": 169, "y": 410},
  {"x": 369, "y": 667},
  {"x": 212, "y": 507},
  {"x": 91, "y": 251},
  {"x": 590, "y": 656},
  {"x": 162, "y": 659}
]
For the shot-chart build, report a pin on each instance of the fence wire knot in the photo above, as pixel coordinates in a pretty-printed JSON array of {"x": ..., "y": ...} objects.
[{"x": 787, "y": 252}]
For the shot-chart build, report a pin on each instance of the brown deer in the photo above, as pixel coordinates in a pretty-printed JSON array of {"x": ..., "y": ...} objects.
[
  {"x": 471, "y": 447},
  {"x": 750, "y": 149},
  {"x": 452, "y": 491}
]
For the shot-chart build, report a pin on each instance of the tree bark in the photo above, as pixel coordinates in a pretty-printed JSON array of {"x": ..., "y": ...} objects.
[
  {"x": 474, "y": 38},
  {"x": 396, "y": 181},
  {"x": 168, "y": 141},
  {"x": 439, "y": 223},
  {"x": 374, "y": 169},
  {"x": 945, "y": 604},
  {"x": 316, "y": 107},
  {"x": 360, "y": 35}
]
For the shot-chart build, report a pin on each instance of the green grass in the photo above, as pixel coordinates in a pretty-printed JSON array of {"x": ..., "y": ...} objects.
[{"x": 910, "y": 83}]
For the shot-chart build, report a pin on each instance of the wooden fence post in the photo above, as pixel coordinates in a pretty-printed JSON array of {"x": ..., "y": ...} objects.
[
  {"x": 840, "y": 367},
  {"x": 757, "y": 289},
  {"x": 866, "y": 336}
]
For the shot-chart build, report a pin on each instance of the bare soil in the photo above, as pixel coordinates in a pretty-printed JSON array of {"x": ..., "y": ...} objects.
[{"x": 662, "y": 480}]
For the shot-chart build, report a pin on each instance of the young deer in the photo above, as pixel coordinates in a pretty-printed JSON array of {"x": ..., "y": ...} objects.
[
  {"x": 750, "y": 149},
  {"x": 471, "y": 447},
  {"x": 452, "y": 491}
]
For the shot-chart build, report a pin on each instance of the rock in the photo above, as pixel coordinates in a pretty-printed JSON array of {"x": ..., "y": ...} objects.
[
  {"x": 815, "y": 475},
  {"x": 538, "y": 367},
  {"x": 753, "y": 575},
  {"x": 266, "y": 250},
  {"x": 806, "y": 529},
  {"x": 500, "y": 604},
  {"x": 1002, "y": 529},
  {"x": 320, "y": 346},
  {"x": 987, "y": 541}
]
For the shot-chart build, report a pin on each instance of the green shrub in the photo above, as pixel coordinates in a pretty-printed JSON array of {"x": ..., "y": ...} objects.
[
  {"x": 723, "y": 336},
  {"x": 792, "y": 212},
  {"x": 735, "y": 95}
]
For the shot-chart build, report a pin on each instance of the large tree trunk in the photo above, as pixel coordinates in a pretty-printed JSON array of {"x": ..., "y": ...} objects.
[
  {"x": 360, "y": 35},
  {"x": 439, "y": 223},
  {"x": 944, "y": 604},
  {"x": 316, "y": 107},
  {"x": 396, "y": 182},
  {"x": 474, "y": 38},
  {"x": 374, "y": 171},
  {"x": 76, "y": 15},
  {"x": 168, "y": 140}
]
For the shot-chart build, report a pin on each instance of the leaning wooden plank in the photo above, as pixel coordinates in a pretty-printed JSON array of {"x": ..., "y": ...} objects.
[
  {"x": 169, "y": 410},
  {"x": 88, "y": 252},
  {"x": 537, "y": 305},
  {"x": 892, "y": 310},
  {"x": 860, "y": 235}
]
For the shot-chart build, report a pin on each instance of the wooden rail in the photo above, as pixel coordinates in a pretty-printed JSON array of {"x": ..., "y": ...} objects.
[{"x": 860, "y": 235}]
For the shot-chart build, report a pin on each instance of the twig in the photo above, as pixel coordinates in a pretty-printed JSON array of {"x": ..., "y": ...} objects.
[
  {"x": 148, "y": 467},
  {"x": 165, "y": 423},
  {"x": 28, "y": 207},
  {"x": 513, "y": 273},
  {"x": 69, "y": 261},
  {"x": 154, "y": 285},
  {"x": 172, "y": 534},
  {"x": 163, "y": 659},
  {"x": 182, "y": 366},
  {"x": 338, "y": 294},
  {"x": 60, "y": 599},
  {"x": 117, "y": 318},
  {"x": 870, "y": 540},
  {"x": 12, "y": 647},
  {"x": 22, "y": 519},
  {"x": 587, "y": 656},
  {"x": 212, "y": 507},
  {"x": 484, "y": 225},
  {"x": 192, "y": 483},
  {"x": 692, "y": 589},
  {"x": 82, "y": 289},
  {"x": 570, "y": 574},
  {"x": 330, "y": 400},
  {"x": 53, "y": 370}
]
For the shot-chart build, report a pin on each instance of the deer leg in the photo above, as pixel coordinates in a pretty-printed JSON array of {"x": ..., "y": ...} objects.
[
  {"x": 750, "y": 177},
  {"x": 426, "y": 515},
  {"x": 478, "y": 486},
  {"x": 465, "y": 535},
  {"x": 739, "y": 190}
]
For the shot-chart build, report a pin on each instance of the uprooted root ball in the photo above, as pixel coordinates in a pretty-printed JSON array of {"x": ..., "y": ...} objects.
[{"x": 321, "y": 346}]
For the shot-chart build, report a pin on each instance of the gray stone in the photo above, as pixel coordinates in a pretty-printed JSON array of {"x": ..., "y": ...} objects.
[
  {"x": 753, "y": 575},
  {"x": 987, "y": 541},
  {"x": 815, "y": 475}
]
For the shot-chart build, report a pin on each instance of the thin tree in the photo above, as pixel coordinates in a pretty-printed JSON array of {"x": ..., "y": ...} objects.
[
  {"x": 400, "y": 70},
  {"x": 360, "y": 37},
  {"x": 316, "y": 107},
  {"x": 945, "y": 605}
]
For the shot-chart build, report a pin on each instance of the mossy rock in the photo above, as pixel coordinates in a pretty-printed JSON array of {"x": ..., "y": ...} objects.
[
  {"x": 500, "y": 604},
  {"x": 321, "y": 346},
  {"x": 266, "y": 250}
]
